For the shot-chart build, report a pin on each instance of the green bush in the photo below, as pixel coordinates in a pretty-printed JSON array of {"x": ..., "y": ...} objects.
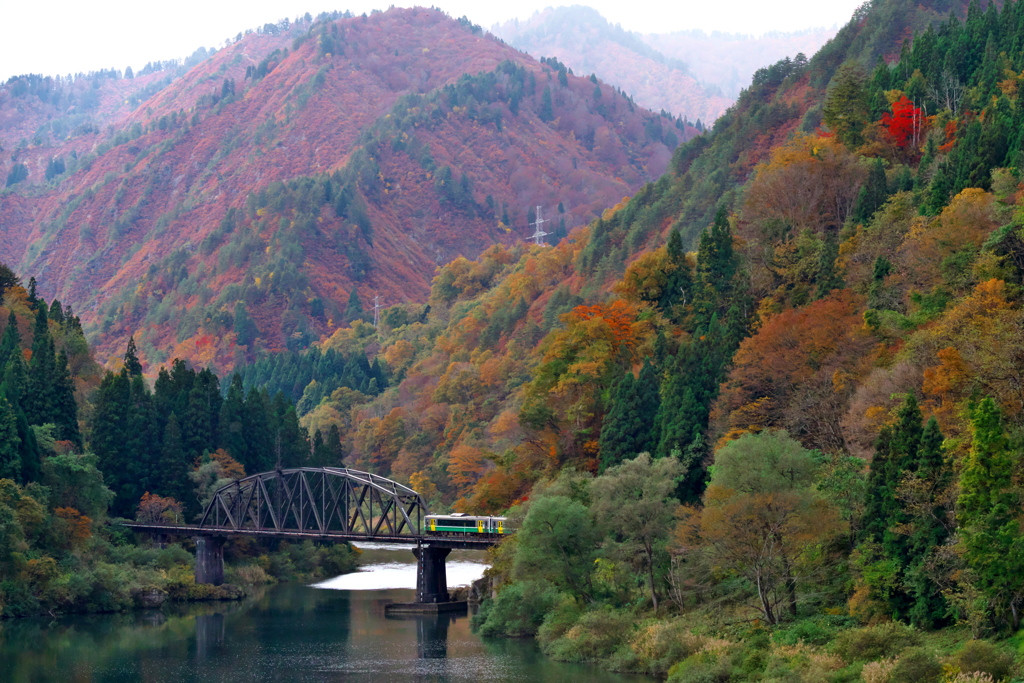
[
  {"x": 16, "y": 600},
  {"x": 518, "y": 611},
  {"x": 559, "y": 620},
  {"x": 813, "y": 631},
  {"x": 338, "y": 559},
  {"x": 661, "y": 644},
  {"x": 917, "y": 665},
  {"x": 980, "y": 655},
  {"x": 704, "y": 667},
  {"x": 875, "y": 642},
  {"x": 751, "y": 660},
  {"x": 595, "y": 635}
]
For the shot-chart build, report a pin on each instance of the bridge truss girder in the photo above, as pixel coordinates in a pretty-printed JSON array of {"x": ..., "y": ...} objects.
[{"x": 328, "y": 500}]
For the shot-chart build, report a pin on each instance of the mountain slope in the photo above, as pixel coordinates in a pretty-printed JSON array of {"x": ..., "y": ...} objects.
[{"x": 360, "y": 158}]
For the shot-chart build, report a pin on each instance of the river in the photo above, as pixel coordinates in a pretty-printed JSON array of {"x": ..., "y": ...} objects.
[{"x": 333, "y": 631}]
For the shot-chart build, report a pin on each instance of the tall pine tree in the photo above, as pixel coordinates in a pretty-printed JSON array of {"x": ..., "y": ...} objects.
[
  {"x": 231, "y": 425},
  {"x": 110, "y": 427},
  {"x": 908, "y": 463},
  {"x": 40, "y": 395},
  {"x": 131, "y": 359},
  {"x": 11, "y": 340},
  {"x": 64, "y": 407},
  {"x": 988, "y": 512}
]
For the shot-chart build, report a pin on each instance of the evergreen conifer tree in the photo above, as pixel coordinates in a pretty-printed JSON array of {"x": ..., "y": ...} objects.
[
  {"x": 197, "y": 434},
  {"x": 905, "y": 452},
  {"x": 873, "y": 193},
  {"x": 547, "y": 110},
  {"x": 678, "y": 290},
  {"x": 65, "y": 409},
  {"x": 622, "y": 423},
  {"x": 231, "y": 435},
  {"x": 320, "y": 456},
  {"x": 109, "y": 439},
  {"x": 258, "y": 433},
  {"x": 988, "y": 509},
  {"x": 11, "y": 340},
  {"x": 142, "y": 440},
  {"x": 245, "y": 328},
  {"x": 8, "y": 279},
  {"x": 173, "y": 463},
  {"x": 12, "y": 388},
  {"x": 131, "y": 359},
  {"x": 930, "y": 531},
  {"x": 56, "y": 314},
  {"x": 10, "y": 443},
  {"x": 828, "y": 277},
  {"x": 334, "y": 447},
  {"x": 40, "y": 400},
  {"x": 354, "y": 309}
]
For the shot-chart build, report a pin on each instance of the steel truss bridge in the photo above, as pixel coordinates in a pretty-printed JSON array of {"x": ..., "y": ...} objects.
[
  {"x": 325, "y": 503},
  {"x": 319, "y": 504}
]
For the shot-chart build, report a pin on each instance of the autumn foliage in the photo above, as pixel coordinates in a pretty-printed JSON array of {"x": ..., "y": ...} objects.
[{"x": 905, "y": 123}]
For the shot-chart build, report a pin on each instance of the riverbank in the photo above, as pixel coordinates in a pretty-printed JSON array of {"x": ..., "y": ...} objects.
[
  {"x": 719, "y": 645},
  {"x": 104, "y": 569}
]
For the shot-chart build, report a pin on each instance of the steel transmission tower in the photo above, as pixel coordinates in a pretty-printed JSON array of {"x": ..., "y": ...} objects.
[{"x": 538, "y": 234}]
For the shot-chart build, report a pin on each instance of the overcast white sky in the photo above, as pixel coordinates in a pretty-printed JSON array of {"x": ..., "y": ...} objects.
[{"x": 67, "y": 36}]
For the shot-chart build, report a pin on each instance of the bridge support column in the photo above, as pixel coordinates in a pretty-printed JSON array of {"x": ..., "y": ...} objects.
[
  {"x": 209, "y": 560},
  {"x": 431, "y": 579}
]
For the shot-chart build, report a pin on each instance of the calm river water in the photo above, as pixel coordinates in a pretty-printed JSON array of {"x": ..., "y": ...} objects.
[{"x": 336, "y": 631}]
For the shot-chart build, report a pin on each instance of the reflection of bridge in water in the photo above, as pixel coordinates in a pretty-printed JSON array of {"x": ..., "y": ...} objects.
[{"x": 322, "y": 504}]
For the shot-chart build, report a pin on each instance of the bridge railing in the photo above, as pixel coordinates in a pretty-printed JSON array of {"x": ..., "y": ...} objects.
[{"x": 323, "y": 500}]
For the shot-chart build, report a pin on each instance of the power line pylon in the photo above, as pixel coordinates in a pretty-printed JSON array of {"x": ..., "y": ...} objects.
[{"x": 538, "y": 234}]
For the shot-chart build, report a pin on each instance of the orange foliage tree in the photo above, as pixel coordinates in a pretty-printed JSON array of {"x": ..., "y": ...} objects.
[
  {"x": 154, "y": 509},
  {"x": 73, "y": 526},
  {"x": 575, "y": 365},
  {"x": 796, "y": 373}
]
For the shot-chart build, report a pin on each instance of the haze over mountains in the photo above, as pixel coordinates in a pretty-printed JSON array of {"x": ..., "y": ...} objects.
[
  {"x": 237, "y": 205},
  {"x": 688, "y": 73}
]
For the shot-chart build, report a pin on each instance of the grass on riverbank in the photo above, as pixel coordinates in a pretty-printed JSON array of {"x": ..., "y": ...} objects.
[{"x": 703, "y": 647}]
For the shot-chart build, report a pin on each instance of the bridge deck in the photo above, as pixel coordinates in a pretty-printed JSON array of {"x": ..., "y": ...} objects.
[{"x": 455, "y": 543}]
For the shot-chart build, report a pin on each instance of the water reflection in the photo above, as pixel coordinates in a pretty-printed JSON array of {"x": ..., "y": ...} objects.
[
  {"x": 287, "y": 633},
  {"x": 209, "y": 634},
  {"x": 431, "y": 632}
]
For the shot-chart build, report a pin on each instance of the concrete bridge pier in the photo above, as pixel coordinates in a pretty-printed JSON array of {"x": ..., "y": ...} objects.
[
  {"x": 431, "y": 579},
  {"x": 209, "y": 559}
]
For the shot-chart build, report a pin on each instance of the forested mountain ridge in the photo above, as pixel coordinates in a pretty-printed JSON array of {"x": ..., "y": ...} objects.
[{"x": 241, "y": 206}]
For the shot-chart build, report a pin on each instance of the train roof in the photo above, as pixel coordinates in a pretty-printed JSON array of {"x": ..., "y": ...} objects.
[{"x": 462, "y": 515}]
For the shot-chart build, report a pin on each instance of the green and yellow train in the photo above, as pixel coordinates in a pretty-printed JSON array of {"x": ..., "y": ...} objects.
[{"x": 459, "y": 524}]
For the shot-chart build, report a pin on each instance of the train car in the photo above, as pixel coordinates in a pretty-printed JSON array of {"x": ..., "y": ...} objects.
[{"x": 460, "y": 524}]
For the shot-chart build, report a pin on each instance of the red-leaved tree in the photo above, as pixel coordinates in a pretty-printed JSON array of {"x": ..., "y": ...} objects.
[{"x": 905, "y": 123}]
